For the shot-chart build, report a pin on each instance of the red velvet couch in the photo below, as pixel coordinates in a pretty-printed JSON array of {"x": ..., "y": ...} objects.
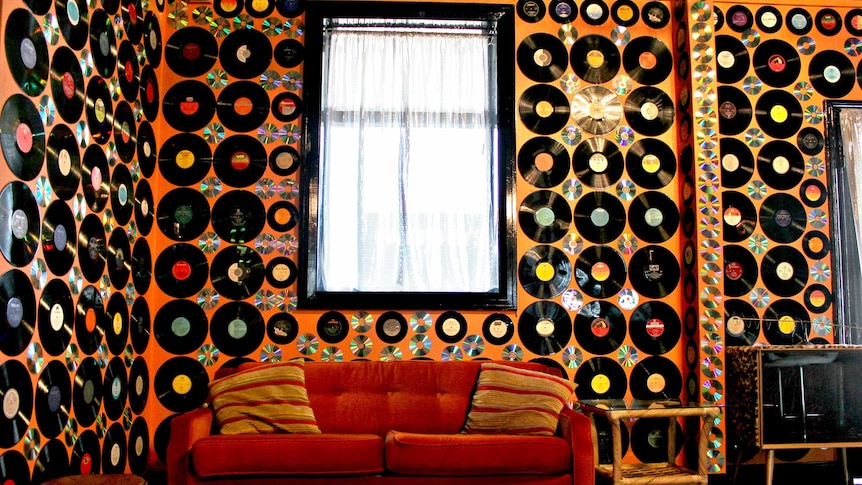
[{"x": 383, "y": 422}]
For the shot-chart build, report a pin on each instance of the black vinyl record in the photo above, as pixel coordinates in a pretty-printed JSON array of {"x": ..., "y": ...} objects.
[
  {"x": 146, "y": 149},
  {"x": 530, "y": 11},
  {"x": 647, "y": 60},
  {"x": 72, "y": 17},
  {"x": 737, "y": 162},
  {"x": 239, "y": 160},
  {"x": 649, "y": 111},
  {"x": 650, "y": 435},
  {"x": 734, "y": 111},
  {"x": 114, "y": 450},
  {"x": 229, "y": 8},
  {"x": 595, "y": 58},
  {"x": 183, "y": 214},
  {"x": 67, "y": 84},
  {"x": 139, "y": 385},
  {"x": 152, "y": 39},
  {"x": 26, "y": 52},
  {"x": 598, "y": 162},
  {"x": 545, "y": 327},
  {"x": 243, "y": 106},
  {"x": 741, "y": 323},
  {"x": 91, "y": 320},
  {"x": 600, "y": 378},
  {"x": 281, "y": 216},
  {"x": 600, "y": 327},
  {"x": 281, "y": 272},
  {"x": 828, "y": 21},
  {"x": 150, "y": 95},
  {"x": 103, "y": 43},
  {"x": 245, "y": 53},
  {"x": 625, "y": 13},
  {"x": 238, "y": 216},
  {"x": 115, "y": 388},
  {"x": 237, "y": 328},
  {"x": 544, "y": 271},
  {"x": 332, "y": 327},
  {"x": 58, "y": 237},
  {"x": 799, "y": 21},
  {"x": 16, "y": 387},
  {"x": 654, "y": 271},
  {"x": 132, "y": 12},
  {"x": 817, "y": 298},
  {"x": 55, "y": 317},
  {"x": 656, "y": 378},
  {"x": 543, "y": 162},
  {"x": 778, "y": 113},
  {"x": 289, "y": 8},
  {"x": 655, "y": 327},
  {"x": 544, "y": 109},
  {"x": 498, "y": 329},
  {"x": 284, "y": 160},
  {"x": 20, "y": 230},
  {"x": 125, "y": 132},
  {"x": 18, "y": 305},
  {"x": 596, "y": 109},
  {"x": 191, "y": 51},
  {"x": 740, "y": 271},
  {"x": 739, "y": 18},
  {"x": 189, "y": 105},
  {"x": 563, "y": 11},
  {"x": 139, "y": 325},
  {"x": 181, "y": 270},
  {"x": 119, "y": 258},
  {"x": 282, "y": 328},
  {"x": 776, "y": 63},
  {"x": 653, "y": 217},
  {"x": 739, "y": 216},
  {"x": 52, "y": 462},
  {"x": 86, "y": 454},
  {"x": 122, "y": 194},
  {"x": 139, "y": 446},
  {"x": 810, "y": 140},
  {"x": 768, "y": 19},
  {"x": 832, "y": 74},
  {"x": 87, "y": 392},
  {"x": 784, "y": 271},
  {"x": 545, "y": 216},
  {"x": 782, "y": 218},
  {"x": 95, "y": 179},
  {"x": 786, "y": 322},
  {"x": 542, "y": 57},
  {"x": 813, "y": 193},
  {"x": 594, "y": 12},
  {"x": 599, "y": 217},
  {"x": 450, "y": 327},
  {"x": 287, "y": 106},
  {"x": 99, "y": 109},
  {"x": 237, "y": 272},
  {"x": 288, "y": 53},
  {"x": 14, "y": 469},
  {"x": 38, "y": 7},
  {"x": 117, "y": 333},
  {"x": 600, "y": 271},
  {"x": 111, "y": 6},
  {"x": 260, "y": 8},
  {"x": 732, "y": 59},
  {"x": 142, "y": 266},
  {"x": 144, "y": 207},
  {"x": 780, "y": 165},
  {"x": 391, "y": 327},
  {"x": 22, "y": 137},
  {"x": 656, "y": 15},
  {"x": 92, "y": 248},
  {"x": 185, "y": 159},
  {"x": 651, "y": 163},
  {"x": 181, "y": 384}
]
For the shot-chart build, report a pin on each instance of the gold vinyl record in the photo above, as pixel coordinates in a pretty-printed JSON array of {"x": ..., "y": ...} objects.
[{"x": 597, "y": 110}]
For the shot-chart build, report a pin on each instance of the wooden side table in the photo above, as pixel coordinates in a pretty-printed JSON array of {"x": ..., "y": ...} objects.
[{"x": 649, "y": 473}]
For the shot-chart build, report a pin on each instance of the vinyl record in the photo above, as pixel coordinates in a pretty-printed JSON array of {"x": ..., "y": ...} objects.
[
  {"x": 784, "y": 271},
  {"x": 530, "y": 10},
  {"x": 284, "y": 160},
  {"x": 739, "y": 216},
  {"x": 816, "y": 245},
  {"x": 189, "y": 105},
  {"x": 810, "y": 140},
  {"x": 22, "y": 137},
  {"x": 111, "y": 6},
  {"x": 90, "y": 320},
  {"x": 785, "y": 322},
  {"x": 651, "y": 163},
  {"x": 732, "y": 58},
  {"x": 114, "y": 450},
  {"x": 183, "y": 214},
  {"x": 289, "y": 8},
  {"x": 828, "y": 21},
  {"x": 832, "y": 74},
  {"x": 332, "y": 327},
  {"x": 817, "y": 298},
  {"x": 451, "y": 327},
  {"x": 142, "y": 266},
  {"x": 185, "y": 159},
  {"x": 813, "y": 193},
  {"x": 92, "y": 248},
  {"x": 281, "y": 216},
  {"x": 181, "y": 270},
  {"x": 237, "y": 328},
  {"x": 282, "y": 328},
  {"x": 740, "y": 271},
  {"x": 229, "y": 8},
  {"x": 741, "y": 323},
  {"x": 245, "y": 53},
  {"x": 734, "y": 111},
  {"x": 543, "y": 162},
  {"x": 152, "y": 39},
  {"x": 72, "y": 16},
  {"x": 281, "y": 272},
  {"x": 594, "y": 12},
  {"x": 55, "y": 317},
  {"x": 139, "y": 446},
  {"x": 600, "y": 378},
  {"x": 122, "y": 194},
  {"x": 67, "y": 84},
  {"x": 38, "y": 7},
  {"x": 87, "y": 392},
  {"x": 240, "y": 160},
  {"x": 647, "y": 60},
  {"x": 563, "y": 11},
  {"x": 544, "y": 271},
  {"x": 125, "y": 132},
  {"x": 544, "y": 109},
  {"x": 498, "y": 329},
  {"x": 14, "y": 469},
  {"x": 654, "y": 271},
  {"x": 600, "y": 327},
  {"x": 243, "y": 106},
  {"x": 86, "y": 454},
  {"x": 26, "y": 52},
  {"x": 237, "y": 272},
  {"x": 776, "y": 63},
  {"x": 95, "y": 179},
  {"x": 650, "y": 435},
  {"x": 598, "y": 162},
  {"x": 139, "y": 385},
  {"x": 99, "y": 109},
  {"x": 144, "y": 207},
  {"x": 545, "y": 216},
  {"x": 649, "y": 111},
  {"x": 625, "y": 13},
  {"x": 737, "y": 162},
  {"x": 780, "y": 165},
  {"x": 656, "y": 15},
  {"x": 739, "y": 18},
  {"x": 19, "y": 224},
  {"x": 59, "y": 234},
  {"x": 288, "y": 53},
  {"x": 853, "y": 22},
  {"x": 115, "y": 388},
  {"x": 597, "y": 110},
  {"x": 52, "y": 462},
  {"x": 599, "y": 217},
  {"x": 656, "y": 378},
  {"x": 286, "y": 106},
  {"x": 150, "y": 94},
  {"x": 133, "y": 19},
  {"x": 18, "y": 305},
  {"x": 181, "y": 384},
  {"x": 595, "y": 58},
  {"x": 600, "y": 271},
  {"x": 191, "y": 51},
  {"x": 117, "y": 331},
  {"x": 542, "y": 57},
  {"x": 768, "y": 19},
  {"x": 778, "y": 113},
  {"x": 391, "y": 327},
  {"x": 545, "y": 327},
  {"x": 782, "y": 218},
  {"x": 103, "y": 43},
  {"x": 17, "y": 390},
  {"x": 653, "y": 217},
  {"x": 799, "y": 21},
  {"x": 146, "y": 149},
  {"x": 238, "y": 216},
  {"x": 655, "y": 327},
  {"x": 139, "y": 325}
]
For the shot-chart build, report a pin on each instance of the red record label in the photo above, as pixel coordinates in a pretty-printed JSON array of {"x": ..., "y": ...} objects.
[
  {"x": 181, "y": 270},
  {"x": 655, "y": 327},
  {"x": 733, "y": 270},
  {"x": 600, "y": 327},
  {"x": 68, "y": 84}
]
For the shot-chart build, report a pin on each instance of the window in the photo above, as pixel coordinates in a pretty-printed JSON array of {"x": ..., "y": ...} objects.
[{"x": 408, "y": 173}]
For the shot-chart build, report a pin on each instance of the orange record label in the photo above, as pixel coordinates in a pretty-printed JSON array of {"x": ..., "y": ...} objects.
[
  {"x": 655, "y": 383},
  {"x": 543, "y": 162},
  {"x": 185, "y": 159},
  {"x": 600, "y": 271}
]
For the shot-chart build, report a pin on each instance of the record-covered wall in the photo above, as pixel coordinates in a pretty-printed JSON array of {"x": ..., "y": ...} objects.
[{"x": 671, "y": 200}]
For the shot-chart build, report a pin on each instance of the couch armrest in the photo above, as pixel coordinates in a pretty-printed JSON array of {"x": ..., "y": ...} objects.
[
  {"x": 186, "y": 428},
  {"x": 577, "y": 430}
]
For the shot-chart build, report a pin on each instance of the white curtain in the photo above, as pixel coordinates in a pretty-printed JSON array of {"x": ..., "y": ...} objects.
[
  {"x": 407, "y": 183},
  {"x": 851, "y": 135}
]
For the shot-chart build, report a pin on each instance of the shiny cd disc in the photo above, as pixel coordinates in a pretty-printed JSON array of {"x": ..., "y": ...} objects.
[
  {"x": 600, "y": 271},
  {"x": 122, "y": 194},
  {"x": 19, "y": 224},
  {"x": 651, "y": 163},
  {"x": 180, "y": 326},
  {"x": 189, "y": 105},
  {"x": 237, "y": 272},
  {"x": 737, "y": 162},
  {"x": 544, "y": 271},
  {"x": 191, "y": 51},
  {"x": 784, "y": 271},
  {"x": 653, "y": 217},
  {"x": 185, "y": 159},
  {"x": 598, "y": 162},
  {"x": 180, "y": 384},
  {"x": 183, "y": 214},
  {"x": 92, "y": 248},
  {"x": 655, "y": 327},
  {"x": 18, "y": 306},
  {"x": 649, "y": 111},
  {"x": 55, "y": 317},
  {"x": 732, "y": 58},
  {"x": 181, "y": 270},
  {"x": 778, "y": 113},
  {"x": 786, "y": 322},
  {"x": 776, "y": 63},
  {"x": 239, "y": 160},
  {"x": 780, "y": 165},
  {"x": 740, "y": 271},
  {"x": 647, "y": 60},
  {"x": 655, "y": 378},
  {"x": 654, "y": 271},
  {"x": 545, "y": 327},
  {"x": 545, "y": 216},
  {"x": 739, "y": 216},
  {"x": 115, "y": 388},
  {"x": 26, "y": 51},
  {"x": 543, "y": 162},
  {"x": 542, "y": 57},
  {"x": 741, "y": 323},
  {"x": 783, "y": 218},
  {"x": 22, "y": 137},
  {"x": 600, "y": 327},
  {"x": 597, "y": 110},
  {"x": 599, "y": 217},
  {"x": 734, "y": 111},
  {"x": 243, "y": 105},
  {"x": 601, "y": 378},
  {"x": 87, "y": 392},
  {"x": 544, "y": 109},
  {"x": 237, "y": 328}
]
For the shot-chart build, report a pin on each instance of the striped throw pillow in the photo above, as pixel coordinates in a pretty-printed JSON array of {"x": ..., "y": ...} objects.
[
  {"x": 508, "y": 400},
  {"x": 265, "y": 399}
]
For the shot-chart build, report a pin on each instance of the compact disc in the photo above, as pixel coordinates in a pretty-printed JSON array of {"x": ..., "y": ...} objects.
[
  {"x": 181, "y": 270},
  {"x": 544, "y": 109},
  {"x": 185, "y": 159},
  {"x": 237, "y": 328},
  {"x": 181, "y": 384},
  {"x": 117, "y": 330},
  {"x": 600, "y": 327},
  {"x": 183, "y": 214},
  {"x": 542, "y": 57},
  {"x": 647, "y": 60},
  {"x": 655, "y": 327},
  {"x": 115, "y": 387},
  {"x": 653, "y": 216},
  {"x": 22, "y": 137},
  {"x": 87, "y": 392},
  {"x": 19, "y": 224},
  {"x": 545, "y": 327},
  {"x": 189, "y": 105},
  {"x": 654, "y": 271},
  {"x": 55, "y": 317},
  {"x": 122, "y": 194},
  {"x": 191, "y": 51},
  {"x": 245, "y": 53},
  {"x": 739, "y": 216},
  {"x": 784, "y": 271},
  {"x": 832, "y": 74},
  {"x": 59, "y": 234},
  {"x": 543, "y": 162},
  {"x": 786, "y": 322},
  {"x": 600, "y": 378},
  {"x": 238, "y": 216},
  {"x": 649, "y": 111},
  {"x": 595, "y": 58},
  {"x": 598, "y": 162},
  {"x": 239, "y": 160},
  {"x": 26, "y": 52},
  {"x": 776, "y": 63},
  {"x": 655, "y": 378},
  {"x": 237, "y": 272},
  {"x": 734, "y": 110},
  {"x": 740, "y": 271},
  {"x": 64, "y": 162},
  {"x": 741, "y": 323},
  {"x": 243, "y": 105},
  {"x": 597, "y": 110},
  {"x": 545, "y": 216},
  {"x": 544, "y": 271},
  {"x": 778, "y": 113},
  {"x": 783, "y": 218},
  {"x": 737, "y": 162},
  {"x": 600, "y": 271},
  {"x": 599, "y": 217},
  {"x": 92, "y": 248}
]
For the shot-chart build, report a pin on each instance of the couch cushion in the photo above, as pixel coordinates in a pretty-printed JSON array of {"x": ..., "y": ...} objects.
[
  {"x": 519, "y": 401},
  {"x": 466, "y": 455},
  {"x": 265, "y": 399},
  {"x": 295, "y": 454}
]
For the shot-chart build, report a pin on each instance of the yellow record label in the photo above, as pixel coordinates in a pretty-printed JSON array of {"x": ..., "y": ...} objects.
[
  {"x": 182, "y": 384},
  {"x": 600, "y": 384},
  {"x": 545, "y": 271},
  {"x": 786, "y": 324},
  {"x": 185, "y": 159}
]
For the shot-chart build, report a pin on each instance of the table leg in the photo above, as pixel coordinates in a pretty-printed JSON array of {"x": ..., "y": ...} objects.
[
  {"x": 618, "y": 449},
  {"x": 770, "y": 465}
]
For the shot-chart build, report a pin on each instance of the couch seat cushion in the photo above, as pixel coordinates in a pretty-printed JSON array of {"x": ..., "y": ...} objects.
[
  {"x": 466, "y": 455},
  {"x": 296, "y": 454}
]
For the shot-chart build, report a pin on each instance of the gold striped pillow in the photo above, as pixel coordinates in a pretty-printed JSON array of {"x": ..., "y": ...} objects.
[
  {"x": 269, "y": 398},
  {"x": 508, "y": 400}
]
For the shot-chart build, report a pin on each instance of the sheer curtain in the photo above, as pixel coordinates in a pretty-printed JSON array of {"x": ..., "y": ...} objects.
[
  {"x": 849, "y": 183},
  {"x": 406, "y": 176}
]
